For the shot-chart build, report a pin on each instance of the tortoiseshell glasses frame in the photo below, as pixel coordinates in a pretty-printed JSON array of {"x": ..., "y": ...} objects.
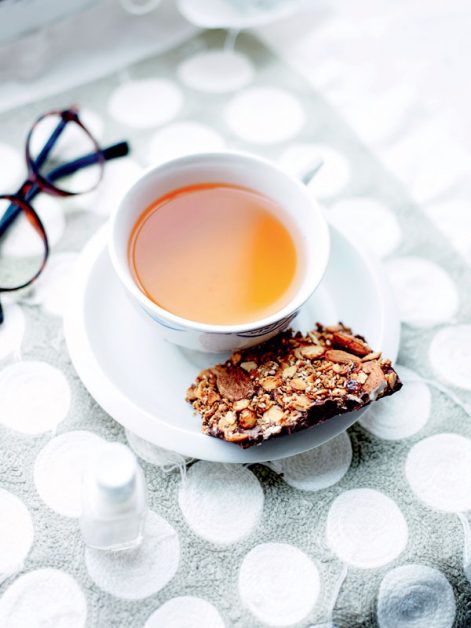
[{"x": 40, "y": 181}]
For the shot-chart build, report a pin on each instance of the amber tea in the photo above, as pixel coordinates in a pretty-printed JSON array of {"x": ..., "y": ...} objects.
[{"x": 214, "y": 253}]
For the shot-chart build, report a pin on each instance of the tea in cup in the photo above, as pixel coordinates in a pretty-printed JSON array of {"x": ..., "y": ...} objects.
[
  {"x": 220, "y": 249},
  {"x": 214, "y": 253}
]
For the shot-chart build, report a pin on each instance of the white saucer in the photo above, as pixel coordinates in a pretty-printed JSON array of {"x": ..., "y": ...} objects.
[{"x": 140, "y": 380}]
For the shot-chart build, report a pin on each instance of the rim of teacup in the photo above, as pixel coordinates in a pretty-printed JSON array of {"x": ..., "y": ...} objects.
[{"x": 308, "y": 284}]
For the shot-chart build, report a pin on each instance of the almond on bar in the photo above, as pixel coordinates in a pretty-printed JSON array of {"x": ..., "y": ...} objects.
[{"x": 289, "y": 384}]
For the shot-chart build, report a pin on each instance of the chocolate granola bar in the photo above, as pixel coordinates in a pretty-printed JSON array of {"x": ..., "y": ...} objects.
[{"x": 290, "y": 383}]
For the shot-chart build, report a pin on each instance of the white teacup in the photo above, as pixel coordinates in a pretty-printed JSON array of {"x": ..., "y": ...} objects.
[{"x": 300, "y": 214}]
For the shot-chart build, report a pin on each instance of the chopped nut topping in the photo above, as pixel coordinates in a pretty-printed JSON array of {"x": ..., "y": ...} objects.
[
  {"x": 212, "y": 397},
  {"x": 375, "y": 379},
  {"x": 248, "y": 366},
  {"x": 290, "y": 383},
  {"x": 302, "y": 402},
  {"x": 230, "y": 417},
  {"x": 342, "y": 357},
  {"x": 375, "y": 355},
  {"x": 241, "y": 404},
  {"x": 391, "y": 378},
  {"x": 290, "y": 371},
  {"x": 236, "y": 437},
  {"x": 352, "y": 344},
  {"x": 269, "y": 383},
  {"x": 362, "y": 377},
  {"x": 273, "y": 415},
  {"x": 227, "y": 420},
  {"x": 233, "y": 383},
  {"x": 311, "y": 351},
  {"x": 247, "y": 419},
  {"x": 298, "y": 384},
  {"x": 333, "y": 328},
  {"x": 191, "y": 394},
  {"x": 313, "y": 337},
  {"x": 199, "y": 390}
]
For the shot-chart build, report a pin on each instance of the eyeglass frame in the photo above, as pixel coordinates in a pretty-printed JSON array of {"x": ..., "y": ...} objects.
[{"x": 36, "y": 182}]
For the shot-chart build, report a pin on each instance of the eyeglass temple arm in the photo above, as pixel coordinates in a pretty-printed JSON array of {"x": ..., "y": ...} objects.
[
  {"x": 121, "y": 149},
  {"x": 43, "y": 155},
  {"x": 110, "y": 152}
]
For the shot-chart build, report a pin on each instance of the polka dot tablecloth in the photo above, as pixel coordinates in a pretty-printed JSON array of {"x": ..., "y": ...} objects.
[{"x": 372, "y": 528}]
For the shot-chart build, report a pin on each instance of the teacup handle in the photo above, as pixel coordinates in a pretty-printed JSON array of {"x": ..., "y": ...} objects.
[{"x": 312, "y": 170}]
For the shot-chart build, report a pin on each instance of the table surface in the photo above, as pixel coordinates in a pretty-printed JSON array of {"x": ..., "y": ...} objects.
[{"x": 369, "y": 529}]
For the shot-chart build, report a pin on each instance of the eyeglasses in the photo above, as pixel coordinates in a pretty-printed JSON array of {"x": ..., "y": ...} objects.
[{"x": 59, "y": 147}]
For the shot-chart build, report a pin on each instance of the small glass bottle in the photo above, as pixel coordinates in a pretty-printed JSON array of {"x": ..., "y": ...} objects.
[{"x": 114, "y": 505}]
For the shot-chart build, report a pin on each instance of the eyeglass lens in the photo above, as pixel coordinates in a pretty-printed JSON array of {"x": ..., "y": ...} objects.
[{"x": 71, "y": 144}]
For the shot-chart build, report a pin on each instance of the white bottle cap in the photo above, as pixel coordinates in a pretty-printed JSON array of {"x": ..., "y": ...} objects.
[{"x": 115, "y": 471}]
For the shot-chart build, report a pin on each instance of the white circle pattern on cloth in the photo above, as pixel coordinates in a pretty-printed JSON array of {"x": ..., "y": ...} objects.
[
  {"x": 13, "y": 168},
  {"x": 118, "y": 176},
  {"x": 283, "y": 583},
  {"x": 278, "y": 584},
  {"x": 319, "y": 468},
  {"x": 137, "y": 573},
  {"x": 264, "y": 115},
  {"x": 216, "y": 71},
  {"x": 222, "y": 504},
  {"x": 428, "y": 160},
  {"x": 34, "y": 397},
  {"x": 58, "y": 470},
  {"x": 401, "y": 415},
  {"x": 53, "y": 287},
  {"x": 154, "y": 454},
  {"x": 44, "y": 598},
  {"x": 185, "y": 611},
  {"x": 145, "y": 103},
  {"x": 453, "y": 218},
  {"x": 235, "y": 16},
  {"x": 425, "y": 293},
  {"x": 332, "y": 177},
  {"x": 415, "y": 596},
  {"x": 365, "y": 528},
  {"x": 182, "y": 138},
  {"x": 22, "y": 242},
  {"x": 438, "y": 469},
  {"x": 450, "y": 355},
  {"x": 440, "y": 170},
  {"x": 11, "y": 330},
  {"x": 369, "y": 222},
  {"x": 16, "y": 534},
  {"x": 376, "y": 118}
]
